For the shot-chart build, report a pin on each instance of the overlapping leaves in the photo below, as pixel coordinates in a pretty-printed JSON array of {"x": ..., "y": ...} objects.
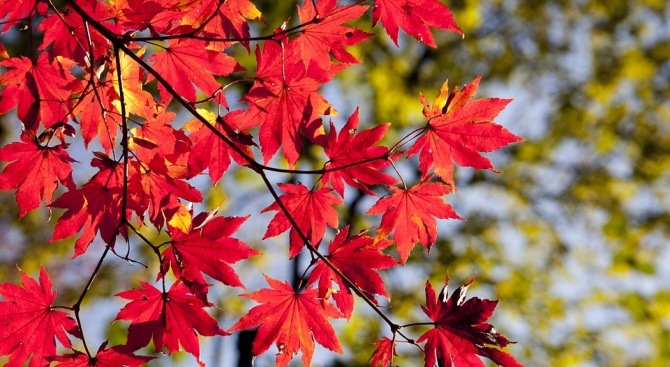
[
  {"x": 171, "y": 319},
  {"x": 91, "y": 77}
]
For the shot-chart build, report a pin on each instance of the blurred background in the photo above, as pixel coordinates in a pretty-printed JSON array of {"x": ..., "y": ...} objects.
[{"x": 573, "y": 237}]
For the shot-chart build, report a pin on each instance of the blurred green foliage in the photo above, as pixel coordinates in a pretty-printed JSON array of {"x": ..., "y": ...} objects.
[{"x": 574, "y": 236}]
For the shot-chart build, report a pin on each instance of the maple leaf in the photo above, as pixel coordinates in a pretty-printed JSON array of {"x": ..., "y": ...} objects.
[
  {"x": 35, "y": 171},
  {"x": 357, "y": 257},
  {"x": 98, "y": 116},
  {"x": 285, "y": 102},
  {"x": 220, "y": 19},
  {"x": 96, "y": 206},
  {"x": 40, "y": 89},
  {"x": 207, "y": 248},
  {"x": 384, "y": 353},
  {"x": 326, "y": 34},
  {"x": 234, "y": 18},
  {"x": 137, "y": 15},
  {"x": 16, "y": 12},
  {"x": 29, "y": 324},
  {"x": 458, "y": 129},
  {"x": 132, "y": 79},
  {"x": 347, "y": 150},
  {"x": 210, "y": 151},
  {"x": 186, "y": 62},
  {"x": 65, "y": 33},
  {"x": 311, "y": 209},
  {"x": 415, "y": 17},
  {"x": 460, "y": 332},
  {"x": 410, "y": 214},
  {"x": 157, "y": 138},
  {"x": 291, "y": 320},
  {"x": 170, "y": 319},
  {"x": 93, "y": 207},
  {"x": 161, "y": 193},
  {"x": 105, "y": 357}
]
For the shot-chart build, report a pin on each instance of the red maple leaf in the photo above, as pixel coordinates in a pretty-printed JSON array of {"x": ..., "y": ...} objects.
[
  {"x": 234, "y": 18},
  {"x": 29, "y": 324},
  {"x": 170, "y": 319},
  {"x": 210, "y": 151},
  {"x": 458, "y": 129},
  {"x": 186, "y": 62},
  {"x": 285, "y": 101},
  {"x": 105, "y": 357},
  {"x": 311, "y": 209},
  {"x": 207, "y": 248},
  {"x": 460, "y": 332},
  {"x": 292, "y": 320},
  {"x": 135, "y": 98},
  {"x": 16, "y": 12},
  {"x": 415, "y": 17},
  {"x": 156, "y": 136},
  {"x": 98, "y": 116},
  {"x": 157, "y": 139},
  {"x": 357, "y": 257},
  {"x": 410, "y": 214},
  {"x": 40, "y": 89},
  {"x": 96, "y": 206},
  {"x": 35, "y": 171},
  {"x": 326, "y": 35},
  {"x": 224, "y": 19},
  {"x": 383, "y": 354},
  {"x": 137, "y": 15},
  {"x": 160, "y": 193},
  {"x": 348, "y": 150},
  {"x": 66, "y": 34}
]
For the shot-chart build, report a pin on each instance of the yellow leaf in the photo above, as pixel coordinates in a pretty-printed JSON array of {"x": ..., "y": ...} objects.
[
  {"x": 132, "y": 78},
  {"x": 181, "y": 219}
]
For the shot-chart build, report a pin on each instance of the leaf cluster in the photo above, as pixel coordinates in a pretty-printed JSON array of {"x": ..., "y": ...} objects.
[{"x": 90, "y": 77}]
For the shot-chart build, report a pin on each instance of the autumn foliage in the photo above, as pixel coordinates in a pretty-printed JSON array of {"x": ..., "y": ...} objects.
[{"x": 87, "y": 85}]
